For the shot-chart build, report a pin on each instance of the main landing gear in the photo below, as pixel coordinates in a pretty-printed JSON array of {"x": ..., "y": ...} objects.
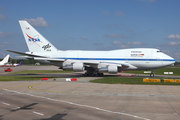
[
  {"x": 152, "y": 73},
  {"x": 93, "y": 72}
]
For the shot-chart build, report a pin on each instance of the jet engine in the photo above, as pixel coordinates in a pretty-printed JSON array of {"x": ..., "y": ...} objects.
[
  {"x": 77, "y": 67},
  {"x": 112, "y": 69}
]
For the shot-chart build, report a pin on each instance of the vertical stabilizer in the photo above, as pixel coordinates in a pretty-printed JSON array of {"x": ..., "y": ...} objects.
[
  {"x": 5, "y": 60},
  {"x": 20, "y": 63},
  {"x": 34, "y": 40}
]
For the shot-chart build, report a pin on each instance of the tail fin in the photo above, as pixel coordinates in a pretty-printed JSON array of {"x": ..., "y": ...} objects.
[
  {"x": 5, "y": 60},
  {"x": 20, "y": 63},
  {"x": 34, "y": 40}
]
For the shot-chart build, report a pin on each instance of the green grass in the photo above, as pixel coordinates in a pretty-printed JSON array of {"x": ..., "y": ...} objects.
[
  {"x": 130, "y": 80},
  {"x": 20, "y": 78},
  {"x": 175, "y": 70},
  {"x": 40, "y": 71}
]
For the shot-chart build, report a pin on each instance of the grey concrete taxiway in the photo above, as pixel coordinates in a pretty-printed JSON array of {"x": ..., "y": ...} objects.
[
  {"x": 81, "y": 100},
  {"x": 46, "y": 100}
]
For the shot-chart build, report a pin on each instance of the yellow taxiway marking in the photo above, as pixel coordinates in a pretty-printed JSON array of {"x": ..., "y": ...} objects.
[
  {"x": 15, "y": 87},
  {"x": 31, "y": 87}
]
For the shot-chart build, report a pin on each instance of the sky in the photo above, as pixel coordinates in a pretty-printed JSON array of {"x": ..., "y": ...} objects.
[{"x": 93, "y": 24}]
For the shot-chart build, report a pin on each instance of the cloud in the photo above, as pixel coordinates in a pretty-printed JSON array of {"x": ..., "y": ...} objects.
[
  {"x": 2, "y": 34},
  {"x": 121, "y": 45},
  {"x": 5, "y": 44},
  {"x": 2, "y": 17},
  {"x": 174, "y": 43},
  {"x": 1, "y": 45},
  {"x": 39, "y": 21},
  {"x": 114, "y": 36},
  {"x": 84, "y": 38},
  {"x": 124, "y": 46},
  {"x": 117, "y": 42},
  {"x": 166, "y": 52},
  {"x": 5, "y": 34},
  {"x": 120, "y": 13},
  {"x": 127, "y": 44},
  {"x": 173, "y": 36},
  {"x": 137, "y": 43}
]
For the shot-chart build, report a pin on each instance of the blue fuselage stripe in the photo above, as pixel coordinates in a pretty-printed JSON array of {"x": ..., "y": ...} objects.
[{"x": 119, "y": 59}]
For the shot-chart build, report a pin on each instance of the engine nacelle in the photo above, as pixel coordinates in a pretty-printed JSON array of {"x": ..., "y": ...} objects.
[
  {"x": 68, "y": 67},
  {"x": 77, "y": 67},
  {"x": 112, "y": 69}
]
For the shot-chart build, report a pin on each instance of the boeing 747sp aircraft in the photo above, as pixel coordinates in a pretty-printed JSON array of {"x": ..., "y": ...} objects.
[
  {"x": 4, "y": 61},
  {"x": 95, "y": 63}
]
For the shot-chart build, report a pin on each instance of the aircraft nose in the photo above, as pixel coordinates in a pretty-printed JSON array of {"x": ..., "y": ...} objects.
[
  {"x": 170, "y": 60},
  {"x": 173, "y": 61}
]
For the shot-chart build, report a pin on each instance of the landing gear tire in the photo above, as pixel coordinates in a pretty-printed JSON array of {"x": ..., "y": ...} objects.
[
  {"x": 93, "y": 74},
  {"x": 152, "y": 75}
]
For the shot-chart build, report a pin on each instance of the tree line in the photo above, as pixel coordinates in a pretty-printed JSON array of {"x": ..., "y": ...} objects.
[
  {"x": 25, "y": 61},
  {"x": 33, "y": 62}
]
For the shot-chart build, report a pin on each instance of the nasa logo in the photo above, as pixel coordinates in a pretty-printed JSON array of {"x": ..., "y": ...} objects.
[{"x": 33, "y": 39}]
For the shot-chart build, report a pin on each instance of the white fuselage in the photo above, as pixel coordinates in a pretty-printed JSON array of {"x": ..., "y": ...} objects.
[{"x": 139, "y": 58}]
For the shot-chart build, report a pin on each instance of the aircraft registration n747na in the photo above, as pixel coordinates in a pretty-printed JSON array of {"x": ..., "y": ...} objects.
[{"x": 95, "y": 63}]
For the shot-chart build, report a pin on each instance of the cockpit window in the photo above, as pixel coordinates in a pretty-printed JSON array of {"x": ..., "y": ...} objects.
[{"x": 159, "y": 51}]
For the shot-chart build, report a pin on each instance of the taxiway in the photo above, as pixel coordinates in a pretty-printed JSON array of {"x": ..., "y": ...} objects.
[{"x": 45, "y": 100}]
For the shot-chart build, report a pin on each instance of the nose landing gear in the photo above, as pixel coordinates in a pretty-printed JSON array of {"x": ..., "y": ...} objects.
[{"x": 152, "y": 73}]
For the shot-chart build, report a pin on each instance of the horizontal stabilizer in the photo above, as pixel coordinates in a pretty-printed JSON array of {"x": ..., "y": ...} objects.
[{"x": 20, "y": 53}]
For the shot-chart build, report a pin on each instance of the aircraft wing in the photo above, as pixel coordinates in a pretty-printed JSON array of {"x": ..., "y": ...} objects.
[{"x": 86, "y": 62}]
